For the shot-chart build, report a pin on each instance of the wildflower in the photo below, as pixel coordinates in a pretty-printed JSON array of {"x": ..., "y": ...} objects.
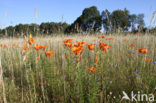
[
  {"x": 133, "y": 52},
  {"x": 142, "y": 50},
  {"x": 25, "y": 47},
  {"x": 43, "y": 47},
  {"x": 1, "y": 45},
  {"x": 137, "y": 71},
  {"x": 74, "y": 62},
  {"x": 122, "y": 60},
  {"x": 97, "y": 60},
  {"x": 37, "y": 58},
  {"x": 66, "y": 57},
  {"x": 30, "y": 40},
  {"x": 137, "y": 75},
  {"x": 92, "y": 69},
  {"x": 49, "y": 53},
  {"x": 77, "y": 49},
  {"x": 110, "y": 93},
  {"x": 132, "y": 94},
  {"x": 80, "y": 44},
  {"x": 110, "y": 38},
  {"x": 6, "y": 45},
  {"x": 154, "y": 62},
  {"x": 101, "y": 37},
  {"x": 131, "y": 45},
  {"x": 147, "y": 60},
  {"x": 104, "y": 47},
  {"x": 25, "y": 37},
  {"x": 90, "y": 46},
  {"x": 15, "y": 44},
  {"x": 119, "y": 61},
  {"x": 37, "y": 46},
  {"x": 68, "y": 42}
]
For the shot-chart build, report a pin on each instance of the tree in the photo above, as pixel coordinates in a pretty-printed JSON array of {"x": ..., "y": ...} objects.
[
  {"x": 140, "y": 21},
  {"x": 119, "y": 20},
  {"x": 133, "y": 21},
  {"x": 89, "y": 21},
  {"x": 10, "y": 30},
  {"x": 106, "y": 21},
  {"x": 34, "y": 29}
]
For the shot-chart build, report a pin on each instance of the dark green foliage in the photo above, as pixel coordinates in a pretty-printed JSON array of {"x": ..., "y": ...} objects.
[
  {"x": 90, "y": 21},
  {"x": 51, "y": 28},
  {"x": 106, "y": 20},
  {"x": 34, "y": 29},
  {"x": 121, "y": 21}
]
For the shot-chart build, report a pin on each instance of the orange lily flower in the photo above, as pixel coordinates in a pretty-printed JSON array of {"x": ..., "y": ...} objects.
[
  {"x": 77, "y": 49},
  {"x": 6, "y": 45},
  {"x": 131, "y": 45},
  {"x": 81, "y": 44},
  {"x": 31, "y": 40},
  {"x": 90, "y": 46},
  {"x": 142, "y": 50},
  {"x": 43, "y": 47},
  {"x": 104, "y": 47},
  {"x": 66, "y": 57},
  {"x": 1, "y": 45},
  {"x": 92, "y": 69},
  {"x": 147, "y": 60},
  {"x": 68, "y": 42},
  {"x": 97, "y": 59},
  {"x": 15, "y": 44},
  {"x": 37, "y": 46},
  {"x": 49, "y": 53},
  {"x": 101, "y": 37},
  {"x": 37, "y": 58},
  {"x": 25, "y": 47},
  {"x": 110, "y": 38}
]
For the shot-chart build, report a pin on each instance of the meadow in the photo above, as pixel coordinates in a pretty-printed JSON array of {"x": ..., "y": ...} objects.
[{"x": 77, "y": 68}]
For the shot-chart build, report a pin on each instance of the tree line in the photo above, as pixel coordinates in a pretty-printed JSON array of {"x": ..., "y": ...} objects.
[
  {"x": 112, "y": 22},
  {"x": 47, "y": 28},
  {"x": 90, "y": 21}
]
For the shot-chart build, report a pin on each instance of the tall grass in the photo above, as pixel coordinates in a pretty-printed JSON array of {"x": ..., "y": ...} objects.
[{"x": 63, "y": 79}]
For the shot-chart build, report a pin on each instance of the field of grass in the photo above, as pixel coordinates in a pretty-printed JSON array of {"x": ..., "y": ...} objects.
[{"x": 60, "y": 72}]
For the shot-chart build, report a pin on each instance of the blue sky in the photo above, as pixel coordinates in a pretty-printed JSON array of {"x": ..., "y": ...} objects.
[{"x": 23, "y": 11}]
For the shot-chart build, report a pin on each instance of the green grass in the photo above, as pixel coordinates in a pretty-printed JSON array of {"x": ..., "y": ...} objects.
[{"x": 66, "y": 80}]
